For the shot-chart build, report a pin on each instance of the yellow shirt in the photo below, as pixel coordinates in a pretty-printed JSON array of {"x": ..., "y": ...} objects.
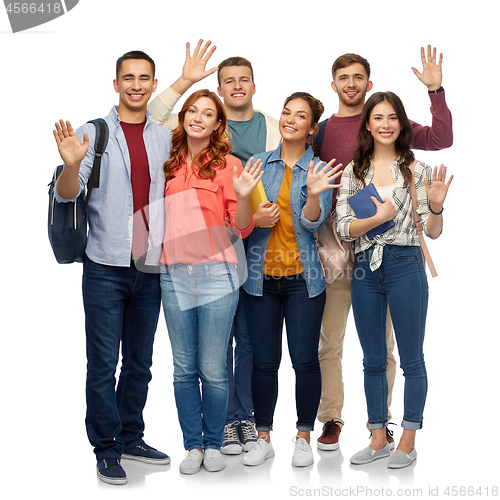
[{"x": 282, "y": 253}]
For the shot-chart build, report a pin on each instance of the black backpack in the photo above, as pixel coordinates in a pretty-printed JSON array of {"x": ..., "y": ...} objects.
[{"x": 67, "y": 223}]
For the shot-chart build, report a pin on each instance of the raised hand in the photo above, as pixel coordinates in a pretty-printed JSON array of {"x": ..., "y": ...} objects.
[
  {"x": 320, "y": 180},
  {"x": 72, "y": 151},
  {"x": 245, "y": 183},
  {"x": 437, "y": 191},
  {"x": 194, "y": 66},
  {"x": 432, "y": 74}
]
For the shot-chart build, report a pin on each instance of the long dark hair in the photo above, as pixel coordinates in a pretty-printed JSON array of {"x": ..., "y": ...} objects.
[
  {"x": 404, "y": 142},
  {"x": 217, "y": 148}
]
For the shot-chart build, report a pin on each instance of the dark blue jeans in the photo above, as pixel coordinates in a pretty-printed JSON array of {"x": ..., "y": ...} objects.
[
  {"x": 239, "y": 368},
  {"x": 401, "y": 284},
  {"x": 122, "y": 305},
  {"x": 285, "y": 299}
]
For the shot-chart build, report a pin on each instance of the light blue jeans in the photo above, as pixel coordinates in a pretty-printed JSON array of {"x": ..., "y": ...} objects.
[{"x": 199, "y": 302}]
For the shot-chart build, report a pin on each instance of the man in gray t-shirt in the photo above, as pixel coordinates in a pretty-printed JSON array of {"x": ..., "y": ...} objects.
[{"x": 248, "y": 137}]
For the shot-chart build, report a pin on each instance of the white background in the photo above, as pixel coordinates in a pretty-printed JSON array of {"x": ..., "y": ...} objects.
[{"x": 64, "y": 69}]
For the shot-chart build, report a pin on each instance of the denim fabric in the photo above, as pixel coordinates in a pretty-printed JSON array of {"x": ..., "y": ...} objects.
[
  {"x": 400, "y": 283},
  {"x": 111, "y": 209},
  {"x": 274, "y": 171},
  {"x": 239, "y": 368},
  {"x": 285, "y": 298},
  {"x": 122, "y": 305},
  {"x": 199, "y": 302}
]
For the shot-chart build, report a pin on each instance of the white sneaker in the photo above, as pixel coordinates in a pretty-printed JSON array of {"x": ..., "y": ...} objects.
[
  {"x": 192, "y": 463},
  {"x": 213, "y": 461},
  {"x": 258, "y": 452},
  {"x": 302, "y": 454}
]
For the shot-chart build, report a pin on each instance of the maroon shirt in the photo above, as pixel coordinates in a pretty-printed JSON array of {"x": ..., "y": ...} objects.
[
  {"x": 140, "y": 180},
  {"x": 340, "y": 138}
]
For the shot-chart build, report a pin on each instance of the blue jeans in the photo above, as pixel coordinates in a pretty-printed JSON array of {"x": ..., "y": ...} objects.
[
  {"x": 199, "y": 302},
  {"x": 285, "y": 298},
  {"x": 400, "y": 283},
  {"x": 239, "y": 368},
  {"x": 122, "y": 305}
]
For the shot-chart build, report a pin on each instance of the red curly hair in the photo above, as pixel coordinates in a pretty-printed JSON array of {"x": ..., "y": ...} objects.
[{"x": 217, "y": 148}]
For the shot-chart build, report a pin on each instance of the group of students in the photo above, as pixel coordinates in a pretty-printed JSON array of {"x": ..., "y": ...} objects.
[{"x": 187, "y": 181}]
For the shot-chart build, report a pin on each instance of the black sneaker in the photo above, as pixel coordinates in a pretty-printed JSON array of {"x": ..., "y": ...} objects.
[
  {"x": 110, "y": 471},
  {"x": 146, "y": 454},
  {"x": 247, "y": 434}
]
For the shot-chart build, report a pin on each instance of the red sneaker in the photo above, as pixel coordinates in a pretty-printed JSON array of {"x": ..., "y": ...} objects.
[
  {"x": 390, "y": 439},
  {"x": 329, "y": 440}
]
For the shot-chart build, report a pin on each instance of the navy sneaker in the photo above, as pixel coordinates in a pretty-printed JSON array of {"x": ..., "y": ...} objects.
[
  {"x": 146, "y": 454},
  {"x": 231, "y": 443},
  {"x": 247, "y": 435},
  {"x": 109, "y": 470}
]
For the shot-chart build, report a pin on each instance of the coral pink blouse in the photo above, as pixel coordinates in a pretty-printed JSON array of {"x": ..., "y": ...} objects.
[{"x": 195, "y": 209}]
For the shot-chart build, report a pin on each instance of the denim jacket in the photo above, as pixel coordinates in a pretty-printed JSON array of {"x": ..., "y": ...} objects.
[{"x": 274, "y": 172}]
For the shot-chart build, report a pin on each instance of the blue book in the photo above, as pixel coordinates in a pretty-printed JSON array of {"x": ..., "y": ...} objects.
[{"x": 364, "y": 207}]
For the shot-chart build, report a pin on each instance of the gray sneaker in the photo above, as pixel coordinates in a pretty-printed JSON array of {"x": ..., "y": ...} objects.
[
  {"x": 231, "y": 442},
  {"x": 368, "y": 455},
  {"x": 213, "y": 461},
  {"x": 192, "y": 463},
  {"x": 399, "y": 459}
]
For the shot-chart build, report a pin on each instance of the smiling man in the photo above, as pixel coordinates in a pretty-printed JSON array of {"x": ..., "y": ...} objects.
[
  {"x": 252, "y": 132},
  {"x": 121, "y": 285}
]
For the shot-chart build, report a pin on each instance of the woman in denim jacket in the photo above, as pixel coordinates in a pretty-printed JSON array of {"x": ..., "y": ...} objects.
[{"x": 285, "y": 279}]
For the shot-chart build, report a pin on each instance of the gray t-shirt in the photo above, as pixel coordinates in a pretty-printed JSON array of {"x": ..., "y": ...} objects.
[{"x": 248, "y": 138}]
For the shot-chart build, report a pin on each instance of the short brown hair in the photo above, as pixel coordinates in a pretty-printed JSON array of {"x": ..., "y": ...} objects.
[
  {"x": 134, "y": 54},
  {"x": 348, "y": 59},
  {"x": 235, "y": 61}
]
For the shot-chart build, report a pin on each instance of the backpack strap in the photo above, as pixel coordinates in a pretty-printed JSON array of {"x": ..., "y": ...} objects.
[
  {"x": 101, "y": 141},
  {"x": 425, "y": 251},
  {"x": 318, "y": 140}
]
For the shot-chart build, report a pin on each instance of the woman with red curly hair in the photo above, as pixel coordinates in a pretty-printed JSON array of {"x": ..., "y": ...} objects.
[{"x": 205, "y": 185}]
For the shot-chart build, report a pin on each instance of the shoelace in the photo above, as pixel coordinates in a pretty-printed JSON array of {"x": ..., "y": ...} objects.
[
  {"x": 231, "y": 431},
  {"x": 109, "y": 462},
  {"x": 247, "y": 430},
  {"x": 331, "y": 427},
  {"x": 300, "y": 443},
  {"x": 387, "y": 430},
  {"x": 211, "y": 453},
  {"x": 193, "y": 454},
  {"x": 145, "y": 447},
  {"x": 254, "y": 445}
]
